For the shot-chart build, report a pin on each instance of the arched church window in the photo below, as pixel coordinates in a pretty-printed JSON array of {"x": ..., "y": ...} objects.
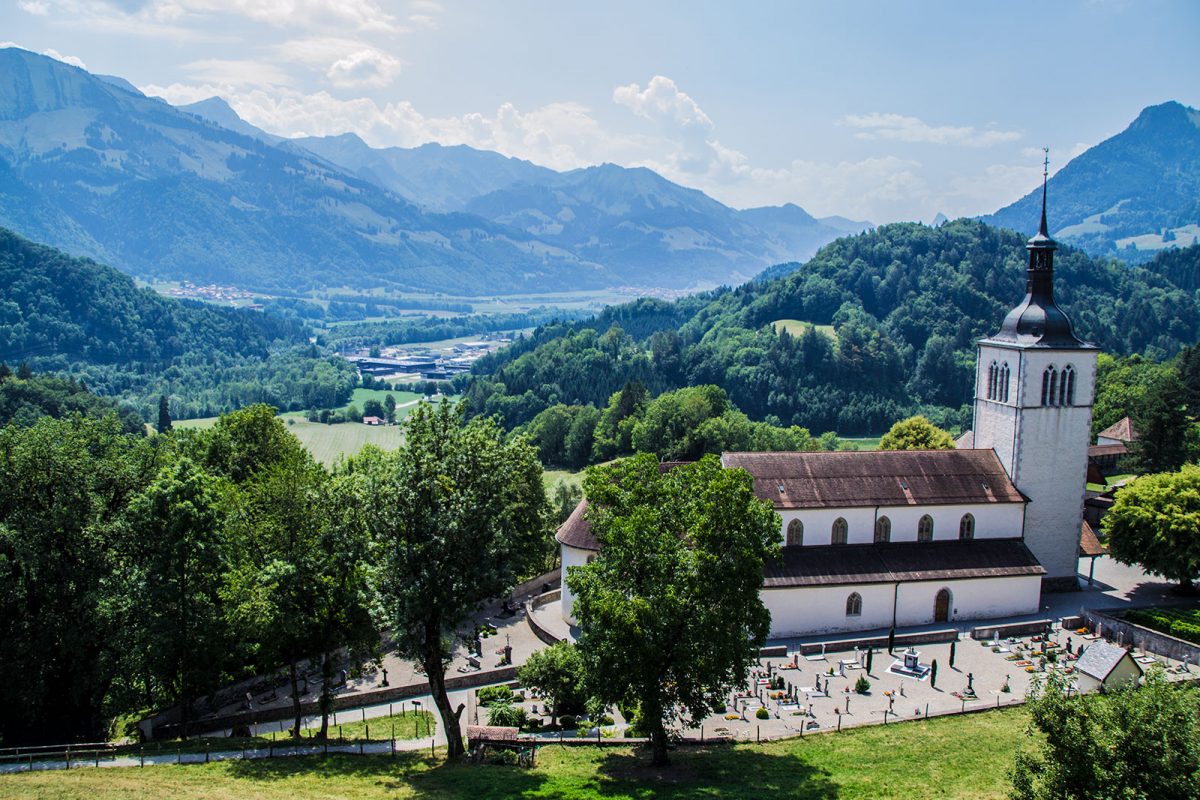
[
  {"x": 1066, "y": 388},
  {"x": 883, "y": 530},
  {"x": 840, "y": 530},
  {"x": 1049, "y": 386},
  {"x": 966, "y": 527},
  {"x": 854, "y": 605},
  {"x": 925, "y": 529},
  {"x": 795, "y": 533},
  {"x": 1003, "y": 388},
  {"x": 991, "y": 381}
]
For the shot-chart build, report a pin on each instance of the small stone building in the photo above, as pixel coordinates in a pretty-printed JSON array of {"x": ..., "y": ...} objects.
[{"x": 1105, "y": 666}]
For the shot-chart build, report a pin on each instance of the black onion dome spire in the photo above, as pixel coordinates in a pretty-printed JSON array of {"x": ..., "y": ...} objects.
[{"x": 1038, "y": 321}]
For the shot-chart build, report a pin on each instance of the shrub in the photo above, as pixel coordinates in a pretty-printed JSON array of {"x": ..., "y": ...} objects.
[
  {"x": 762, "y": 713},
  {"x": 533, "y": 723},
  {"x": 493, "y": 694},
  {"x": 506, "y": 715},
  {"x": 566, "y": 721},
  {"x": 862, "y": 685},
  {"x": 606, "y": 720}
]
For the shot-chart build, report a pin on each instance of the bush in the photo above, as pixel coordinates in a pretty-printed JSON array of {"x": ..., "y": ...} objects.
[
  {"x": 606, "y": 720},
  {"x": 762, "y": 713},
  {"x": 566, "y": 721},
  {"x": 862, "y": 685},
  {"x": 506, "y": 715},
  {"x": 493, "y": 694},
  {"x": 533, "y": 724}
]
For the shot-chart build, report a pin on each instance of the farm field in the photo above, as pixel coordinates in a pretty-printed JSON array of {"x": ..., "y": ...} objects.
[
  {"x": 965, "y": 756},
  {"x": 328, "y": 443}
]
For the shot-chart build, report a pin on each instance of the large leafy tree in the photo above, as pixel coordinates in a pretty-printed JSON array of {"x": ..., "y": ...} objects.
[
  {"x": 456, "y": 513},
  {"x": 670, "y": 610},
  {"x": 1134, "y": 742},
  {"x": 916, "y": 433},
  {"x": 64, "y": 591},
  {"x": 1155, "y": 522},
  {"x": 179, "y": 546}
]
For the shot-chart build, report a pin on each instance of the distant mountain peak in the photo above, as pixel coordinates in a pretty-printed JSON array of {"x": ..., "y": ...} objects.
[{"x": 1129, "y": 196}]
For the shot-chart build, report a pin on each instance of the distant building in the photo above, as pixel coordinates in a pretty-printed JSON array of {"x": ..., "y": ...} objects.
[{"x": 372, "y": 421}]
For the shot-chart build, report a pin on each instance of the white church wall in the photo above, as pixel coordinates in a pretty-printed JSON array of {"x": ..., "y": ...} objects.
[
  {"x": 974, "y": 598},
  {"x": 1051, "y": 467},
  {"x": 995, "y": 423},
  {"x": 571, "y": 557},
  {"x": 992, "y": 521},
  {"x": 815, "y": 610},
  {"x": 809, "y": 610}
]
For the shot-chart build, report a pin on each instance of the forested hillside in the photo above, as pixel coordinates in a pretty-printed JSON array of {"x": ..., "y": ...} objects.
[
  {"x": 64, "y": 314},
  {"x": 873, "y": 328}
]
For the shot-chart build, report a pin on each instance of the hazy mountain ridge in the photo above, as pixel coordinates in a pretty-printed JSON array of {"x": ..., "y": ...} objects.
[
  {"x": 162, "y": 193},
  {"x": 1126, "y": 190}
]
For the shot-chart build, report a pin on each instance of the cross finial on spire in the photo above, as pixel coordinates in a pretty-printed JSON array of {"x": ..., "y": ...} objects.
[{"x": 1045, "y": 178}]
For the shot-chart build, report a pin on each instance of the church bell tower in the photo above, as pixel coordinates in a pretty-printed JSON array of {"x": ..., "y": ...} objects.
[{"x": 1034, "y": 385}]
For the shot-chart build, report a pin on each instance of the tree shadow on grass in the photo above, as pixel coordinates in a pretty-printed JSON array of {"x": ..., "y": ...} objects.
[
  {"x": 718, "y": 771},
  {"x": 339, "y": 765}
]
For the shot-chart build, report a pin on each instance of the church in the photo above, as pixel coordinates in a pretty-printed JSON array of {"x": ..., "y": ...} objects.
[{"x": 901, "y": 538}]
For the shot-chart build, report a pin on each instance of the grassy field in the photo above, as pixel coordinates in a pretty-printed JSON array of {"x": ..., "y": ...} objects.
[
  {"x": 328, "y": 443},
  {"x": 795, "y": 326},
  {"x": 863, "y": 442},
  {"x": 551, "y": 477},
  {"x": 361, "y": 396},
  {"x": 943, "y": 758}
]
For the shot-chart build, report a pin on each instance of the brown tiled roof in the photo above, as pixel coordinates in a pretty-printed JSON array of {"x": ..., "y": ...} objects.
[
  {"x": 1089, "y": 542},
  {"x": 885, "y": 478},
  {"x": 834, "y": 565},
  {"x": 576, "y": 532},
  {"x": 1097, "y": 450},
  {"x": 1122, "y": 431}
]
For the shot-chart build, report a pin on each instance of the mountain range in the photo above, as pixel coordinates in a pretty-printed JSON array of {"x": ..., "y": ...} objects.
[
  {"x": 91, "y": 165},
  {"x": 1129, "y": 196}
]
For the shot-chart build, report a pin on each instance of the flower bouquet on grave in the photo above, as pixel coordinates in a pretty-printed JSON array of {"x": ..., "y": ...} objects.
[{"x": 1082, "y": 631}]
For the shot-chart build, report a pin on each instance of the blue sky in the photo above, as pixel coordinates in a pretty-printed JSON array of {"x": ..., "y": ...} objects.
[{"x": 871, "y": 110}]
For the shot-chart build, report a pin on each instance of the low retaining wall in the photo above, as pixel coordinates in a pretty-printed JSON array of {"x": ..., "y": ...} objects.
[
  {"x": 1139, "y": 636},
  {"x": 1042, "y": 626},
  {"x": 534, "y": 585},
  {"x": 340, "y": 703},
  {"x": 876, "y": 642},
  {"x": 538, "y": 631}
]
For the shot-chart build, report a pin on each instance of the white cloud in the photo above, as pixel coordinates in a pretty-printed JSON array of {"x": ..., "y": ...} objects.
[
  {"x": 74, "y": 61},
  {"x": 37, "y": 7},
  {"x": 364, "y": 68},
  {"x": 662, "y": 100},
  {"x": 898, "y": 127}
]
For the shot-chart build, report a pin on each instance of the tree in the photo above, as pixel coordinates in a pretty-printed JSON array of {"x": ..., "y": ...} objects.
[
  {"x": 66, "y": 598},
  {"x": 23, "y": 371},
  {"x": 164, "y": 414},
  {"x": 556, "y": 673},
  {"x": 1155, "y": 522},
  {"x": 1132, "y": 742},
  {"x": 177, "y": 532},
  {"x": 1166, "y": 438},
  {"x": 670, "y": 609},
  {"x": 456, "y": 513},
  {"x": 374, "y": 408},
  {"x": 916, "y": 433},
  {"x": 389, "y": 408}
]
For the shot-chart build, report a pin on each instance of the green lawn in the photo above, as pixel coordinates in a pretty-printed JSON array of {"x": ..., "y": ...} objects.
[
  {"x": 863, "y": 442},
  {"x": 943, "y": 758},
  {"x": 796, "y": 326},
  {"x": 551, "y": 477},
  {"x": 327, "y": 443},
  {"x": 361, "y": 396}
]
